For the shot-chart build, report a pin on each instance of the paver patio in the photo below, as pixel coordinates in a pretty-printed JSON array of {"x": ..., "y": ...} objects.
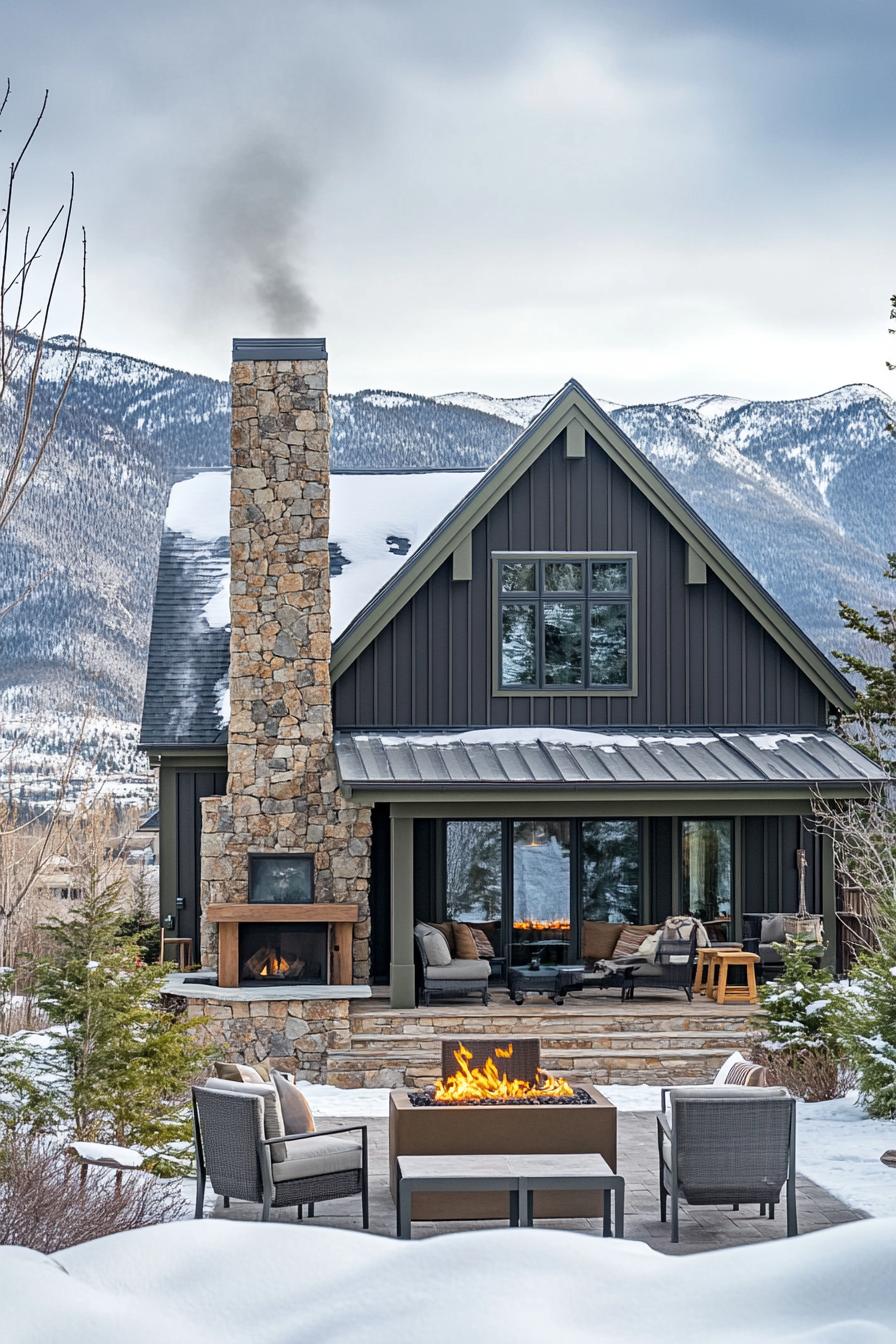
[{"x": 702, "y": 1229}]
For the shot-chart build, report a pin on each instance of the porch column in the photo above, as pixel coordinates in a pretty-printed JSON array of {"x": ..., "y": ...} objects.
[
  {"x": 829, "y": 901},
  {"x": 401, "y": 967}
]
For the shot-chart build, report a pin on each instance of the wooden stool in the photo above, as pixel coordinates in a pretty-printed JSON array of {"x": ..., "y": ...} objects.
[
  {"x": 184, "y": 948},
  {"x": 725, "y": 993},
  {"x": 703, "y": 974}
]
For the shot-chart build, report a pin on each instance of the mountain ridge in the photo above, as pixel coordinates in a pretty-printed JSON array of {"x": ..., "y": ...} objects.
[{"x": 802, "y": 490}]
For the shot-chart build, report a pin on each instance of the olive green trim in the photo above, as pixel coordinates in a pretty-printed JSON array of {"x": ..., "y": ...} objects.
[
  {"x": 401, "y": 966},
  {"x": 574, "y": 403},
  {"x": 472, "y": 803}
]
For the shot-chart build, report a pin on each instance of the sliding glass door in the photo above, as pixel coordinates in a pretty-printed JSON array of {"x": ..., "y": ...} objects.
[
  {"x": 541, "y": 892},
  {"x": 544, "y": 888}
]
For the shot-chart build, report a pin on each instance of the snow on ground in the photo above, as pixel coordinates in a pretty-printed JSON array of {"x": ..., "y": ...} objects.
[
  {"x": 221, "y": 1282},
  {"x": 838, "y": 1147}
]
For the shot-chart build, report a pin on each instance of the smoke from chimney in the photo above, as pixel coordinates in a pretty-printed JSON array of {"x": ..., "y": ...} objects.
[{"x": 246, "y": 239}]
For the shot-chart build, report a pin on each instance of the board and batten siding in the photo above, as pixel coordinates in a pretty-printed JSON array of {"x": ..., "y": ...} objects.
[{"x": 701, "y": 657}]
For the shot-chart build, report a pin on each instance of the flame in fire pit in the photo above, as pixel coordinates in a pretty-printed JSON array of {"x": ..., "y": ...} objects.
[
  {"x": 561, "y": 925},
  {"x": 487, "y": 1084}
]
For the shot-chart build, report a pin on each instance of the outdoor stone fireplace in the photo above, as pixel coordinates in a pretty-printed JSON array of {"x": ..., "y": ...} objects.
[{"x": 283, "y": 850}]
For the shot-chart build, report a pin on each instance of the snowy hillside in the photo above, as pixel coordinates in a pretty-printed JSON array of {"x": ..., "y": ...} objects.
[{"x": 803, "y": 491}]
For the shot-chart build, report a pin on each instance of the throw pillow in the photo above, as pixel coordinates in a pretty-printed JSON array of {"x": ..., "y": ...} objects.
[
  {"x": 599, "y": 939},
  {"x": 772, "y": 930},
  {"x": 242, "y": 1073},
  {"x": 297, "y": 1115},
  {"x": 435, "y": 945},
  {"x": 631, "y": 938},
  {"x": 483, "y": 942},
  {"x": 746, "y": 1075},
  {"x": 650, "y": 946},
  {"x": 464, "y": 943},
  {"x": 722, "y": 1075},
  {"x": 447, "y": 930}
]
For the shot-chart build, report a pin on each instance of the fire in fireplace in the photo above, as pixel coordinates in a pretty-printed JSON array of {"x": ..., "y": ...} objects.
[
  {"x": 543, "y": 925},
  {"x": 491, "y": 1082},
  {"x": 283, "y": 953}
]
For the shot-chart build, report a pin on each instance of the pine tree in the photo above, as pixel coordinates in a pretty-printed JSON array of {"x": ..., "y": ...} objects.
[
  {"x": 801, "y": 1030},
  {"x": 874, "y": 716},
  {"x": 871, "y": 1032},
  {"x": 126, "y": 1061}
]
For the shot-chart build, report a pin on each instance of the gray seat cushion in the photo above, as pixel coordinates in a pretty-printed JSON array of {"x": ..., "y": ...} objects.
[
  {"x": 770, "y": 954},
  {"x": 460, "y": 969},
  {"x": 318, "y": 1156}
]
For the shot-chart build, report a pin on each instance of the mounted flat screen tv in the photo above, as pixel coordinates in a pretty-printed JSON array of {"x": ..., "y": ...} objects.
[{"x": 281, "y": 879}]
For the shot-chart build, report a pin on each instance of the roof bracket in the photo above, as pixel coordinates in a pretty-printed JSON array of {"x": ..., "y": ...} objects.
[
  {"x": 575, "y": 438},
  {"x": 462, "y": 559},
  {"x": 695, "y": 567}
]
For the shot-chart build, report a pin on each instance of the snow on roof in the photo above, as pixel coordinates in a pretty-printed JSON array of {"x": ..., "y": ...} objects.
[{"x": 377, "y": 520}]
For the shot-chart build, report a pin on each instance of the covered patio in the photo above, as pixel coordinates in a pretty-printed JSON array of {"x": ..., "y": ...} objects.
[{"x": 544, "y": 836}]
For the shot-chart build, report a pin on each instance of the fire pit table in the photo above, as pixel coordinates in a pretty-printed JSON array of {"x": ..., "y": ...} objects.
[
  {"x": 499, "y": 1103},
  {"x": 557, "y": 981}
]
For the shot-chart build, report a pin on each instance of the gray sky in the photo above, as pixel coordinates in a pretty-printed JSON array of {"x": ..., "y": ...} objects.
[{"x": 659, "y": 197}]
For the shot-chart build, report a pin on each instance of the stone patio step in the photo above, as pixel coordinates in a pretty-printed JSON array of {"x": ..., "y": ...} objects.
[{"x": 635, "y": 1041}]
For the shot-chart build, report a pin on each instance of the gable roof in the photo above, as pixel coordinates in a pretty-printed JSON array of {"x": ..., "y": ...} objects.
[{"x": 574, "y": 407}]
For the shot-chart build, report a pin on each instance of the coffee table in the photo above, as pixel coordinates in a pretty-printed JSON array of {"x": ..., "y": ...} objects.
[
  {"x": 519, "y": 1174},
  {"x": 557, "y": 981}
]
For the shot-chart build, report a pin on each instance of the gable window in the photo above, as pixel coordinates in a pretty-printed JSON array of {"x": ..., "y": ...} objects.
[{"x": 565, "y": 622}]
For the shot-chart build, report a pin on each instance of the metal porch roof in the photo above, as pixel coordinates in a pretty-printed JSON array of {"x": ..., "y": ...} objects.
[{"x": 568, "y": 758}]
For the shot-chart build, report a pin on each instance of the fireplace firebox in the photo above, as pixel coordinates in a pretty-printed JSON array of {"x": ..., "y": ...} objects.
[{"x": 283, "y": 953}]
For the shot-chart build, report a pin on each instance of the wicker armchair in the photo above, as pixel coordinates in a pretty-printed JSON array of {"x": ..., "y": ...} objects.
[
  {"x": 233, "y": 1153},
  {"x": 728, "y": 1145},
  {"x": 672, "y": 969}
]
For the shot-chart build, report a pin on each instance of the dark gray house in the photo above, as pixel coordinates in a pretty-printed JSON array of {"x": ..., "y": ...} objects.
[{"x": 557, "y": 699}]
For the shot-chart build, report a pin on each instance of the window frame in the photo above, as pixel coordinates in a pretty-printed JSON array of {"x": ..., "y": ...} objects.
[{"x": 539, "y": 597}]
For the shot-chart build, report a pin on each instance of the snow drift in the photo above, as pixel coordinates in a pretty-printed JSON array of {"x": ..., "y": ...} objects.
[{"x": 217, "y": 1282}]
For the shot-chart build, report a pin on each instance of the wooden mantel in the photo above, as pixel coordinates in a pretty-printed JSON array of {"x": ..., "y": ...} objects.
[{"x": 232, "y": 915}]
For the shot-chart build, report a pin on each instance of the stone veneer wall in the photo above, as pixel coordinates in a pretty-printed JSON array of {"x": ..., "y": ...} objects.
[
  {"x": 282, "y": 790},
  {"x": 294, "y": 1035}
]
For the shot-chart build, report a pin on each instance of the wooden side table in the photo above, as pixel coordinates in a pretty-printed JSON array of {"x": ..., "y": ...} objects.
[
  {"x": 723, "y": 992},
  {"x": 704, "y": 971}
]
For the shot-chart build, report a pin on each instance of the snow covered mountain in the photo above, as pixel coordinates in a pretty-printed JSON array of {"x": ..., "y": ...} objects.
[{"x": 804, "y": 491}]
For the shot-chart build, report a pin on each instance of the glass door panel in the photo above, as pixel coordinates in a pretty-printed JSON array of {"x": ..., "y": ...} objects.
[
  {"x": 473, "y": 878},
  {"x": 706, "y": 874},
  {"x": 540, "y": 878}
]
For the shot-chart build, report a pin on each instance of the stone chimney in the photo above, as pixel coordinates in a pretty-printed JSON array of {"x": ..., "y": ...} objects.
[{"x": 282, "y": 790}]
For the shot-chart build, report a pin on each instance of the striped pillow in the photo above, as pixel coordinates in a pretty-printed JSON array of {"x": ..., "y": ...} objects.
[
  {"x": 631, "y": 938},
  {"x": 745, "y": 1075}
]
